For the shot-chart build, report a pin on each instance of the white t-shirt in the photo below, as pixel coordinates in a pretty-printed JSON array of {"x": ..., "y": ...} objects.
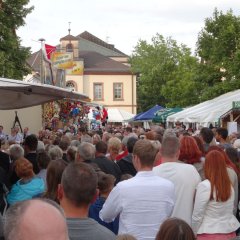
[
  {"x": 143, "y": 203},
  {"x": 185, "y": 179}
]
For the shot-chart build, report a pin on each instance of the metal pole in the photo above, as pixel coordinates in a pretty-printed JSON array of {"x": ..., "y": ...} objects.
[{"x": 42, "y": 40}]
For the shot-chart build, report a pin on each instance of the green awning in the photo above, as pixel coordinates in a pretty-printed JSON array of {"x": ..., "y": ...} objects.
[{"x": 161, "y": 115}]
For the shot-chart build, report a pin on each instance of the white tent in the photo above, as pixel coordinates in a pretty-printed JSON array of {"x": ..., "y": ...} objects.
[
  {"x": 207, "y": 112},
  {"x": 16, "y": 94},
  {"x": 118, "y": 115},
  {"x": 115, "y": 115}
]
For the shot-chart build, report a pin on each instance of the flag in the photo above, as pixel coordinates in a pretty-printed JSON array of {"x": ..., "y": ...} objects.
[{"x": 47, "y": 50}]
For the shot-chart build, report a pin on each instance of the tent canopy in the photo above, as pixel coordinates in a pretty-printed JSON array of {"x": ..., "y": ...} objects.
[
  {"x": 118, "y": 115},
  {"x": 207, "y": 112},
  {"x": 148, "y": 115},
  {"x": 115, "y": 115},
  {"x": 15, "y": 94},
  {"x": 161, "y": 115}
]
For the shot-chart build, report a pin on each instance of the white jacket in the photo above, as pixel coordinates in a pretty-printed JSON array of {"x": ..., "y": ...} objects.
[{"x": 210, "y": 216}]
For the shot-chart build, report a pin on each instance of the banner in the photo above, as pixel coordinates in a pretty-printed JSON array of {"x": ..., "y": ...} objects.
[
  {"x": 77, "y": 68},
  {"x": 62, "y": 60}
]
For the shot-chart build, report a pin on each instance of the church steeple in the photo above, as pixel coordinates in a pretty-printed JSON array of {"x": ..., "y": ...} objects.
[{"x": 69, "y": 43}]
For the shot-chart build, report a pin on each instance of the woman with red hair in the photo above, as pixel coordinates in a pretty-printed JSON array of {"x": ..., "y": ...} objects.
[
  {"x": 213, "y": 209},
  {"x": 232, "y": 173},
  {"x": 191, "y": 154}
]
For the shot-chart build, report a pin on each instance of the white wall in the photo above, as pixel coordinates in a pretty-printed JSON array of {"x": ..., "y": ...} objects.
[{"x": 29, "y": 117}]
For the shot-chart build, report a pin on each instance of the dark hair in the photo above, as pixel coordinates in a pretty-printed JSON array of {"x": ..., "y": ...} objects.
[
  {"x": 101, "y": 147},
  {"x": 233, "y": 155},
  {"x": 207, "y": 134},
  {"x": 84, "y": 175},
  {"x": 175, "y": 229},
  {"x": 223, "y": 132},
  {"x": 130, "y": 144},
  {"x": 105, "y": 182},
  {"x": 54, "y": 174},
  {"x": 43, "y": 159},
  {"x": 32, "y": 142},
  {"x": 128, "y": 129},
  {"x": 146, "y": 152},
  {"x": 64, "y": 144}
]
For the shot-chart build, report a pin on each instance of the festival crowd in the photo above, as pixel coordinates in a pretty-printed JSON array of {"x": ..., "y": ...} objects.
[{"x": 120, "y": 183}]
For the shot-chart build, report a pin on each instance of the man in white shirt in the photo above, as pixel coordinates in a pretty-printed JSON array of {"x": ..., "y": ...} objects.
[
  {"x": 184, "y": 177},
  {"x": 142, "y": 202}
]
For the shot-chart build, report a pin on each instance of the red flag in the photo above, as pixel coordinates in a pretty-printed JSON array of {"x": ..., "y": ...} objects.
[{"x": 49, "y": 50}]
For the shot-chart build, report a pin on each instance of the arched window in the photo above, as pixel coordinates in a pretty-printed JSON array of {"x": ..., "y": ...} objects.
[
  {"x": 69, "y": 47},
  {"x": 71, "y": 86}
]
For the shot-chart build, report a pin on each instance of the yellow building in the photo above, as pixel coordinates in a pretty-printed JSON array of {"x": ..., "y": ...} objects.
[{"x": 99, "y": 70}]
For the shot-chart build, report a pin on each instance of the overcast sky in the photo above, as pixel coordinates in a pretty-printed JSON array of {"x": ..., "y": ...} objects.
[{"x": 120, "y": 22}]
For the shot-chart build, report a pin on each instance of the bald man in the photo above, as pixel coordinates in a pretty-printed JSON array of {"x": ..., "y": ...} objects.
[{"x": 36, "y": 219}]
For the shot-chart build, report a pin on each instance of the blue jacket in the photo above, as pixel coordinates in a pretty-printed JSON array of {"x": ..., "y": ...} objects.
[
  {"x": 94, "y": 210},
  {"x": 21, "y": 192}
]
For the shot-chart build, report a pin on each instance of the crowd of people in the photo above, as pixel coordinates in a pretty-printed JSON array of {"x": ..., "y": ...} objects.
[{"x": 120, "y": 183}]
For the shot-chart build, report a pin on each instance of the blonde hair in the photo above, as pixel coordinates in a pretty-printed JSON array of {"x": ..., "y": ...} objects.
[{"x": 114, "y": 144}]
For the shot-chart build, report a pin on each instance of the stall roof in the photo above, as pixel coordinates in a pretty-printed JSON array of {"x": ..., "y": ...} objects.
[
  {"x": 208, "y": 111},
  {"x": 162, "y": 114},
  {"x": 148, "y": 115},
  {"x": 15, "y": 94}
]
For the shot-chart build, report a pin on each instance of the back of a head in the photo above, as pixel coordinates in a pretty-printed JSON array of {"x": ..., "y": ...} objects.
[
  {"x": 55, "y": 153},
  {"x": 232, "y": 153},
  {"x": 31, "y": 142},
  {"x": 48, "y": 221},
  {"x": 114, "y": 144},
  {"x": 189, "y": 150},
  {"x": 101, "y": 147},
  {"x": 86, "y": 151},
  {"x": 24, "y": 168},
  {"x": 71, "y": 153},
  {"x": 75, "y": 143},
  {"x": 54, "y": 175},
  {"x": 206, "y": 134},
  {"x": 175, "y": 229},
  {"x": 218, "y": 176},
  {"x": 64, "y": 143},
  {"x": 40, "y": 146},
  {"x": 43, "y": 159},
  {"x": 223, "y": 132},
  {"x": 80, "y": 194},
  {"x": 170, "y": 146},
  {"x": 16, "y": 152},
  {"x": 145, "y": 151},
  {"x": 130, "y": 144},
  {"x": 105, "y": 182},
  {"x": 86, "y": 138}
]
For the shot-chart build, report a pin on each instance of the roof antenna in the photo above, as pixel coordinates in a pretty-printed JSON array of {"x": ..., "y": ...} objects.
[{"x": 69, "y": 27}]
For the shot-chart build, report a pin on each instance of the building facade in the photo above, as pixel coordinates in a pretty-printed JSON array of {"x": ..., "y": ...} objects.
[{"x": 99, "y": 71}]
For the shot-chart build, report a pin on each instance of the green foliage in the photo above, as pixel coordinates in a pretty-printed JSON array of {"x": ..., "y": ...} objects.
[
  {"x": 218, "y": 46},
  {"x": 165, "y": 69},
  {"x": 12, "y": 55},
  {"x": 170, "y": 76}
]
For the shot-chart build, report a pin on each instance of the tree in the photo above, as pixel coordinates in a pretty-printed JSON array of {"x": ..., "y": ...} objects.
[
  {"x": 218, "y": 47},
  {"x": 165, "y": 73},
  {"x": 12, "y": 55}
]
